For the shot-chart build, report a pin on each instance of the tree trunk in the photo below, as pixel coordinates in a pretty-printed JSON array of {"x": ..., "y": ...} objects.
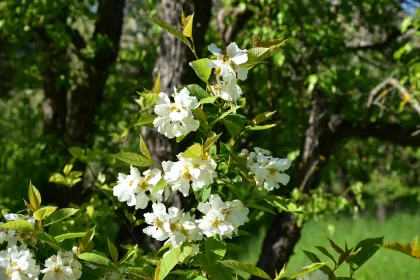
[
  {"x": 172, "y": 64},
  {"x": 87, "y": 97}
]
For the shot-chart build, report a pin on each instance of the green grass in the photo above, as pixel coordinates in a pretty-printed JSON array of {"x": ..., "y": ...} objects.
[{"x": 385, "y": 264}]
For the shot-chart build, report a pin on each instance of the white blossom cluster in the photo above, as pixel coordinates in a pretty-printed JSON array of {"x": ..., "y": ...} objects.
[
  {"x": 229, "y": 68},
  {"x": 219, "y": 218},
  {"x": 136, "y": 189},
  {"x": 63, "y": 266},
  {"x": 173, "y": 225},
  {"x": 175, "y": 118},
  {"x": 17, "y": 263},
  {"x": 12, "y": 237},
  {"x": 186, "y": 172},
  {"x": 268, "y": 171},
  {"x": 222, "y": 218}
]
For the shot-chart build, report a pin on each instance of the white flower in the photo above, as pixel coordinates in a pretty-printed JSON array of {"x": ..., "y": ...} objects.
[
  {"x": 194, "y": 172},
  {"x": 18, "y": 217},
  {"x": 316, "y": 275},
  {"x": 220, "y": 217},
  {"x": 228, "y": 91},
  {"x": 17, "y": 263},
  {"x": 8, "y": 235},
  {"x": 181, "y": 227},
  {"x": 176, "y": 119},
  {"x": 63, "y": 266},
  {"x": 228, "y": 63},
  {"x": 133, "y": 188},
  {"x": 157, "y": 220},
  {"x": 268, "y": 171}
]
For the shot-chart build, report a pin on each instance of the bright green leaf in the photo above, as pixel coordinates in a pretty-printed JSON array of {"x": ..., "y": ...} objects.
[
  {"x": 249, "y": 268},
  {"x": 167, "y": 263},
  {"x": 113, "y": 251},
  {"x": 44, "y": 212},
  {"x": 59, "y": 215},
  {"x": 18, "y": 225},
  {"x": 133, "y": 159},
  {"x": 202, "y": 69},
  {"x": 49, "y": 240}
]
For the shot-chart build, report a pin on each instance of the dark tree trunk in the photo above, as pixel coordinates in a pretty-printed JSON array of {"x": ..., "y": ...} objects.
[
  {"x": 172, "y": 64},
  {"x": 87, "y": 97},
  {"x": 55, "y": 91}
]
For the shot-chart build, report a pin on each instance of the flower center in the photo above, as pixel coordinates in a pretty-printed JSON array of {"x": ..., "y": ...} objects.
[
  {"x": 272, "y": 171},
  {"x": 13, "y": 264},
  {"x": 197, "y": 165},
  {"x": 175, "y": 108},
  {"x": 216, "y": 223},
  {"x": 143, "y": 186},
  {"x": 158, "y": 224},
  {"x": 131, "y": 183},
  {"x": 172, "y": 226},
  {"x": 9, "y": 272},
  {"x": 225, "y": 58},
  {"x": 57, "y": 269},
  {"x": 205, "y": 156}
]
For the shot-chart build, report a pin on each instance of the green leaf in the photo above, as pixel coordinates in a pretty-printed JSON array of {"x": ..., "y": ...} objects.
[
  {"x": 194, "y": 151},
  {"x": 34, "y": 197},
  {"x": 314, "y": 258},
  {"x": 113, "y": 251},
  {"x": 67, "y": 169},
  {"x": 259, "y": 207},
  {"x": 157, "y": 85},
  {"x": 406, "y": 24},
  {"x": 262, "y": 117},
  {"x": 69, "y": 235},
  {"x": 171, "y": 30},
  {"x": 150, "y": 98},
  {"x": 133, "y": 159},
  {"x": 368, "y": 249},
  {"x": 144, "y": 150},
  {"x": 59, "y": 215},
  {"x": 77, "y": 152},
  {"x": 18, "y": 225},
  {"x": 249, "y": 268},
  {"x": 237, "y": 191},
  {"x": 199, "y": 114},
  {"x": 208, "y": 100},
  {"x": 146, "y": 120},
  {"x": 216, "y": 271},
  {"x": 326, "y": 253},
  {"x": 228, "y": 112},
  {"x": 167, "y": 263},
  {"x": 187, "y": 30},
  {"x": 210, "y": 141},
  {"x": 283, "y": 204},
  {"x": 412, "y": 250},
  {"x": 215, "y": 250},
  {"x": 260, "y": 127},
  {"x": 95, "y": 258},
  {"x": 202, "y": 69},
  {"x": 44, "y": 212},
  {"x": 336, "y": 247},
  {"x": 233, "y": 248},
  {"x": 49, "y": 240},
  {"x": 307, "y": 269},
  {"x": 86, "y": 240},
  {"x": 138, "y": 272},
  {"x": 312, "y": 80},
  {"x": 233, "y": 127},
  {"x": 159, "y": 186},
  {"x": 197, "y": 91}
]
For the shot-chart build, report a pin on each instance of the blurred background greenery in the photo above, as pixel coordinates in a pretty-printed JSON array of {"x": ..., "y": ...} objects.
[{"x": 345, "y": 86}]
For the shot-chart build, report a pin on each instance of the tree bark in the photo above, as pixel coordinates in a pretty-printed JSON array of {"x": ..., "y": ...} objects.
[
  {"x": 87, "y": 97},
  {"x": 172, "y": 64}
]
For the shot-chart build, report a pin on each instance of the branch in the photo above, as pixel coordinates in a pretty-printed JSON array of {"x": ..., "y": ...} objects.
[
  {"x": 395, "y": 133},
  {"x": 406, "y": 96},
  {"x": 379, "y": 46}
]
